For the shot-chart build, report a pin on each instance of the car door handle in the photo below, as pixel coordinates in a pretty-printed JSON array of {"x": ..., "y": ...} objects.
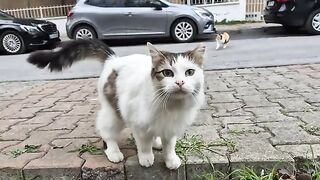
[{"x": 129, "y": 14}]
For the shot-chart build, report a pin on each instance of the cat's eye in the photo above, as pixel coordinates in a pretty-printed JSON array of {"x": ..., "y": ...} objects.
[
  {"x": 190, "y": 72},
  {"x": 167, "y": 73}
]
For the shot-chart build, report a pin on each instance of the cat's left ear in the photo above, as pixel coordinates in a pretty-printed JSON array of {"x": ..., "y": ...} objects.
[
  {"x": 198, "y": 54},
  {"x": 155, "y": 54}
]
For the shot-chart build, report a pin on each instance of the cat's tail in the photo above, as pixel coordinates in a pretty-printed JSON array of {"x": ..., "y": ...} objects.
[{"x": 70, "y": 52}]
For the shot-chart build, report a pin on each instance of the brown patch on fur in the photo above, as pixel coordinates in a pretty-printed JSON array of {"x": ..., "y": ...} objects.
[{"x": 110, "y": 91}]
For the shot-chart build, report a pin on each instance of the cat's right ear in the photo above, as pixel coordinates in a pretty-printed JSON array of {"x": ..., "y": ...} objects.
[{"x": 155, "y": 54}]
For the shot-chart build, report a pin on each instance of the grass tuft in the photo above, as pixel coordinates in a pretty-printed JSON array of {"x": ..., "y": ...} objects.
[{"x": 27, "y": 149}]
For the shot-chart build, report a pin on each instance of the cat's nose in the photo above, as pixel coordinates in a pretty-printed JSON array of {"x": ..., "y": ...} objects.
[{"x": 180, "y": 83}]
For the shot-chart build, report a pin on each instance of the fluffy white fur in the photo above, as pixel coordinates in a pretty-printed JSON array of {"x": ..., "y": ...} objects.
[{"x": 154, "y": 119}]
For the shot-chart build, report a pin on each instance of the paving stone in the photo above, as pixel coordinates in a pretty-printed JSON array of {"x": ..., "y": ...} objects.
[
  {"x": 294, "y": 105},
  {"x": 290, "y": 134},
  {"x": 257, "y": 101},
  {"x": 269, "y": 114},
  {"x": 46, "y": 102},
  {"x": 5, "y": 104},
  {"x": 6, "y": 124},
  {"x": 235, "y": 82},
  {"x": 18, "y": 132},
  {"x": 279, "y": 94},
  {"x": 80, "y": 110},
  {"x": 234, "y": 120},
  {"x": 308, "y": 151},
  {"x": 31, "y": 100},
  {"x": 76, "y": 96},
  {"x": 238, "y": 129},
  {"x": 99, "y": 168},
  {"x": 84, "y": 130},
  {"x": 205, "y": 118},
  {"x": 246, "y": 91},
  {"x": 4, "y": 144},
  {"x": 9, "y": 162},
  {"x": 197, "y": 165},
  {"x": 207, "y": 133},
  {"x": 42, "y": 118},
  {"x": 74, "y": 144},
  {"x": 157, "y": 171},
  {"x": 262, "y": 154},
  {"x": 312, "y": 97},
  {"x": 62, "y": 106},
  {"x": 299, "y": 87},
  {"x": 46, "y": 138},
  {"x": 223, "y": 97},
  {"x": 228, "y": 109},
  {"x": 218, "y": 86},
  {"x": 62, "y": 123},
  {"x": 56, "y": 164},
  {"x": 264, "y": 84},
  {"x": 26, "y": 113}
]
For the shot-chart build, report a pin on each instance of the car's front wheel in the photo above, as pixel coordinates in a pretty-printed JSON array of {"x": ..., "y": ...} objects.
[
  {"x": 313, "y": 22},
  {"x": 84, "y": 32},
  {"x": 183, "y": 30},
  {"x": 12, "y": 42}
]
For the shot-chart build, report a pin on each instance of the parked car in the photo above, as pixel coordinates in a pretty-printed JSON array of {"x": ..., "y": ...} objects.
[
  {"x": 19, "y": 35},
  {"x": 294, "y": 14},
  {"x": 107, "y": 19}
]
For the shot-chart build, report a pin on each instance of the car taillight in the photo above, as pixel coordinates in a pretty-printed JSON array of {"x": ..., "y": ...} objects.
[
  {"x": 70, "y": 13},
  {"x": 283, "y": 1}
]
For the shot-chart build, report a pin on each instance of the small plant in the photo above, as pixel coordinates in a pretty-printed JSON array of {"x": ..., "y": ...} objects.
[
  {"x": 195, "y": 145},
  {"x": 92, "y": 149},
  {"x": 216, "y": 175},
  {"x": 27, "y": 149},
  {"x": 247, "y": 173}
]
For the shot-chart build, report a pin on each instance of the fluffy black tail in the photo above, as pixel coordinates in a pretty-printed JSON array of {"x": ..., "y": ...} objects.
[{"x": 70, "y": 52}]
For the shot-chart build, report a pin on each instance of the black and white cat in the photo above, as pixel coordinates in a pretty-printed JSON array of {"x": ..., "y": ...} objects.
[{"x": 156, "y": 95}]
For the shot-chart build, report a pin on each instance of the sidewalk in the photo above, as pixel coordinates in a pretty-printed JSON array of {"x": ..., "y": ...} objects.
[{"x": 263, "y": 117}]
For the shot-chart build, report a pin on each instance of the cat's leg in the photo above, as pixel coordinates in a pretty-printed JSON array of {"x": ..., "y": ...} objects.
[
  {"x": 218, "y": 45},
  {"x": 224, "y": 46},
  {"x": 144, "y": 147},
  {"x": 109, "y": 126},
  {"x": 157, "y": 144},
  {"x": 172, "y": 160}
]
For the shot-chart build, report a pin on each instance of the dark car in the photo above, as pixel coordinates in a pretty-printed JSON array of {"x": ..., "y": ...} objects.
[
  {"x": 294, "y": 14},
  {"x": 19, "y": 35}
]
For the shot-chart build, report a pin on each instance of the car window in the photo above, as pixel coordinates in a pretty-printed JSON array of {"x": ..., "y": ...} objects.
[
  {"x": 142, "y": 3},
  {"x": 106, "y": 3},
  {"x": 5, "y": 16}
]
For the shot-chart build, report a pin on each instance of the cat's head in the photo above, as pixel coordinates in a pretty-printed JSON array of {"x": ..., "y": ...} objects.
[{"x": 177, "y": 74}]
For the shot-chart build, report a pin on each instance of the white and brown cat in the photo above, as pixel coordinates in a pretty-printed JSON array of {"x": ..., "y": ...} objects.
[
  {"x": 222, "y": 40},
  {"x": 156, "y": 95}
]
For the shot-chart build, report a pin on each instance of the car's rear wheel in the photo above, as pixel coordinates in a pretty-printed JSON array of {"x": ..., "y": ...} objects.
[
  {"x": 84, "y": 32},
  {"x": 12, "y": 42},
  {"x": 313, "y": 22},
  {"x": 183, "y": 30}
]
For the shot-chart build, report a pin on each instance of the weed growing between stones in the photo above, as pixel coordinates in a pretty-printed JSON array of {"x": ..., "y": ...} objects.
[
  {"x": 89, "y": 148},
  {"x": 27, "y": 149}
]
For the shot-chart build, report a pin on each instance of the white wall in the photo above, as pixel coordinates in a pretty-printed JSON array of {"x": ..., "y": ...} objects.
[{"x": 235, "y": 11}]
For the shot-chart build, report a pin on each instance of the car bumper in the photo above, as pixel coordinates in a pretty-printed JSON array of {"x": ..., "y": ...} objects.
[
  {"x": 285, "y": 18},
  {"x": 42, "y": 39},
  {"x": 206, "y": 27}
]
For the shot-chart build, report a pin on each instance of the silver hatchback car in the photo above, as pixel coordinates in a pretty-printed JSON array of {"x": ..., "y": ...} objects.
[{"x": 114, "y": 19}]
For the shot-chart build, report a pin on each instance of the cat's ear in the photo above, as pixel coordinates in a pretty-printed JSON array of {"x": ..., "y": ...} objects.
[
  {"x": 198, "y": 54},
  {"x": 155, "y": 54}
]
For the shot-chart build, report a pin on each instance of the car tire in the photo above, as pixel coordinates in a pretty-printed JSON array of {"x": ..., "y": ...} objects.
[
  {"x": 313, "y": 23},
  {"x": 84, "y": 32},
  {"x": 12, "y": 43},
  {"x": 183, "y": 30}
]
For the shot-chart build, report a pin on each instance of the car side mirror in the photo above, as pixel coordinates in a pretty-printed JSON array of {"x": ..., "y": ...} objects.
[{"x": 156, "y": 6}]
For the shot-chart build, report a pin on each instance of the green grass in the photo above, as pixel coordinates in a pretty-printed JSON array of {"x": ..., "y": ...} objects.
[
  {"x": 89, "y": 148},
  {"x": 247, "y": 173},
  {"x": 27, "y": 149},
  {"x": 195, "y": 145}
]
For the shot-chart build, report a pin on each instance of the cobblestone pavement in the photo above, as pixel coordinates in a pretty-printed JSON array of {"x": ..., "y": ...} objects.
[{"x": 271, "y": 115}]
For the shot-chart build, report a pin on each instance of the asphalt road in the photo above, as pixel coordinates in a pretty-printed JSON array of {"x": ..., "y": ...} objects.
[{"x": 268, "y": 46}]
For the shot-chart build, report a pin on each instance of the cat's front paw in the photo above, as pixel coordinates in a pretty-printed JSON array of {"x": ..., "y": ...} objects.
[
  {"x": 146, "y": 160},
  {"x": 173, "y": 162},
  {"x": 113, "y": 156}
]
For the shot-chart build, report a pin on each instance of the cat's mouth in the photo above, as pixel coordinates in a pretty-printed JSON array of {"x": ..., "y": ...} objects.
[{"x": 180, "y": 91}]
